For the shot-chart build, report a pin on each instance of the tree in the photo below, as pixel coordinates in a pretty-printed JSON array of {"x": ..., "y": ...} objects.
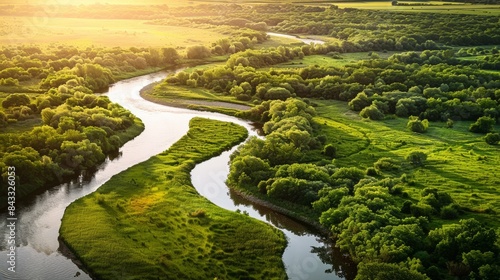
[
  {"x": 277, "y": 93},
  {"x": 14, "y": 100},
  {"x": 359, "y": 102},
  {"x": 330, "y": 151},
  {"x": 198, "y": 52},
  {"x": 416, "y": 125},
  {"x": 371, "y": 112},
  {"x": 170, "y": 55},
  {"x": 492, "y": 138},
  {"x": 482, "y": 125},
  {"x": 416, "y": 158}
]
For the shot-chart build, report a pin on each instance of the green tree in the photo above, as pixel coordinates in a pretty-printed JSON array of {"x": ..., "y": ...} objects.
[
  {"x": 170, "y": 55},
  {"x": 482, "y": 125},
  {"x": 416, "y": 158},
  {"x": 492, "y": 138},
  {"x": 416, "y": 125},
  {"x": 372, "y": 112},
  {"x": 15, "y": 100},
  {"x": 330, "y": 151}
]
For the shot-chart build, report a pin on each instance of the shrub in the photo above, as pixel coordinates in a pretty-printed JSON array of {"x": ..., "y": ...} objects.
[
  {"x": 416, "y": 125},
  {"x": 386, "y": 164},
  {"x": 371, "y": 171},
  {"x": 492, "y": 138},
  {"x": 449, "y": 123},
  {"x": 449, "y": 212},
  {"x": 330, "y": 151},
  {"x": 200, "y": 213},
  {"x": 371, "y": 112},
  {"x": 421, "y": 209},
  {"x": 416, "y": 158},
  {"x": 482, "y": 125}
]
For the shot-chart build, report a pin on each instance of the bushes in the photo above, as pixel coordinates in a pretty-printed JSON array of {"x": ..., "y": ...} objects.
[
  {"x": 15, "y": 100},
  {"x": 416, "y": 125},
  {"x": 482, "y": 125},
  {"x": 492, "y": 138},
  {"x": 330, "y": 151},
  {"x": 372, "y": 112},
  {"x": 386, "y": 164},
  {"x": 416, "y": 158}
]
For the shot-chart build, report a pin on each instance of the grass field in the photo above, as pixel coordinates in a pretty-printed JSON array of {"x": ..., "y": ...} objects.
[
  {"x": 459, "y": 162},
  {"x": 149, "y": 221},
  {"x": 338, "y": 60},
  {"x": 434, "y": 7},
  {"x": 100, "y": 32}
]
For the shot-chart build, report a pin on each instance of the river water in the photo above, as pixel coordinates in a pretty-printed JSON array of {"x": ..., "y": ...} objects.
[
  {"x": 38, "y": 256},
  {"x": 303, "y": 40}
]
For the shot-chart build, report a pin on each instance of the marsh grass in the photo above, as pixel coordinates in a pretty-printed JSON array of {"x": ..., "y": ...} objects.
[
  {"x": 149, "y": 221},
  {"x": 458, "y": 161}
]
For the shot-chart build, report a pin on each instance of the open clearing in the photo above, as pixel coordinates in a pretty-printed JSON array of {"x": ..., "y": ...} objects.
[{"x": 100, "y": 32}]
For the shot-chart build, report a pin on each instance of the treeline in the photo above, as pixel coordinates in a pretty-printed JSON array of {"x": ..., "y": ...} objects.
[
  {"x": 97, "y": 66},
  {"x": 432, "y": 85},
  {"x": 395, "y": 31}
]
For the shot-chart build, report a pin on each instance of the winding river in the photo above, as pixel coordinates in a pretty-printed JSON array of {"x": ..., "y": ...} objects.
[{"x": 38, "y": 252}]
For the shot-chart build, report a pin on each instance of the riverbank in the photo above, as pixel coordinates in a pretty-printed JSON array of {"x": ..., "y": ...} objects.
[
  {"x": 176, "y": 100},
  {"x": 287, "y": 212},
  {"x": 159, "y": 225}
]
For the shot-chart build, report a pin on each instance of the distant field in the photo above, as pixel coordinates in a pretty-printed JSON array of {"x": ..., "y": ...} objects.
[
  {"x": 102, "y": 32},
  {"x": 435, "y": 7},
  {"x": 459, "y": 162}
]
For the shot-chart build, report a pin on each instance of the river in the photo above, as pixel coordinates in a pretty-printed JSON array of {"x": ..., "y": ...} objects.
[
  {"x": 38, "y": 254},
  {"x": 303, "y": 40}
]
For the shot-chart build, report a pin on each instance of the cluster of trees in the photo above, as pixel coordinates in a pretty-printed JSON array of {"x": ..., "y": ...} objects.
[
  {"x": 395, "y": 31},
  {"x": 238, "y": 42},
  {"x": 371, "y": 218},
  {"x": 78, "y": 128},
  {"x": 406, "y": 84},
  {"x": 96, "y": 65}
]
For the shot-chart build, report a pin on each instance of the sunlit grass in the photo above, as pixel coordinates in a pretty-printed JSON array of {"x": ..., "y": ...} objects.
[
  {"x": 149, "y": 222},
  {"x": 459, "y": 162},
  {"x": 100, "y": 32}
]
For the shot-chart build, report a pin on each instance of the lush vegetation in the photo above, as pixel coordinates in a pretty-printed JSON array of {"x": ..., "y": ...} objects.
[
  {"x": 389, "y": 196},
  {"x": 387, "y": 135},
  {"x": 53, "y": 125},
  {"x": 160, "y": 227}
]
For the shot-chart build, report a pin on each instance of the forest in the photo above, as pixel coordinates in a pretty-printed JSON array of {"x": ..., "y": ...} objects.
[{"x": 387, "y": 134}]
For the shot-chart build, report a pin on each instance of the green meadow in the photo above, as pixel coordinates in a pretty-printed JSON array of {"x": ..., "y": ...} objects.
[
  {"x": 459, "y": 162},
  {"x": 149, "y": 221}
]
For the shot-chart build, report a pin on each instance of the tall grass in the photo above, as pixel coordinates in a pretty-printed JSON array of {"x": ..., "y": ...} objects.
[{"x": 148, "y": 222}]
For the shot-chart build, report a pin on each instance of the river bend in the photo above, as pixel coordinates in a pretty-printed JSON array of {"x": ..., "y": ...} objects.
[{"x": 38, "y": 255}]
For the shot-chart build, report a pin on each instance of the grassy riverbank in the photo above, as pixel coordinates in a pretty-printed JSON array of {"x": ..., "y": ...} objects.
[
  {"x": 149, "y": 222},
  {"x": 195, "y": 99}
]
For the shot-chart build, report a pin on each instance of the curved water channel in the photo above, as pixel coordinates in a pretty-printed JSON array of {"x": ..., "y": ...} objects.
[
  {"x": 38, "y": 252},
  {"x": 303, "y": 40}
]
